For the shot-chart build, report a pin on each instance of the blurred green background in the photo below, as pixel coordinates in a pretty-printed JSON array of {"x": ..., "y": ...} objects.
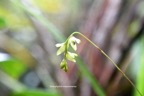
[{"x": 29, "y": 30}]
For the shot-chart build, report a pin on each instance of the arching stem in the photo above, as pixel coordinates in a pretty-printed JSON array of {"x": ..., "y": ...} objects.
[{"x": 109, "y": 59}]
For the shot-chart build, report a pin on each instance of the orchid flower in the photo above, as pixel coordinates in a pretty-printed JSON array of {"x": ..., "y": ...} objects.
[{"x": 63, "y": 48}]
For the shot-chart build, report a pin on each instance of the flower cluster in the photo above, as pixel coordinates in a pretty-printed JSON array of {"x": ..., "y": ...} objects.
[{"x": 63, "y": 48}]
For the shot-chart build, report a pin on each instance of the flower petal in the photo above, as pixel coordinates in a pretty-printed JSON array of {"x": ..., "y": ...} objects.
[
  {"x": 73, "y": 40},
  {"x": 65, "y": 68},
  {"x": 63, "y": 64},
  {"x": 59, "y": 44},
  {"x": 77, "y": 40},
  {"x": 71, "y": 56},
  {"x": 74, "y": 46},
  {"x": 61, "y": 49}
]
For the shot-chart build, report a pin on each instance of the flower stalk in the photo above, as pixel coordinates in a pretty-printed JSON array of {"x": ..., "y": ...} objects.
[{"x": 72, "y": 40}]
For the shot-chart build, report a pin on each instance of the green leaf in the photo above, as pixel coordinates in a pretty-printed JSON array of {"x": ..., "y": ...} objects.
[
  {"x": 35, "y": 92},
  {"x": 13, "y": 67},
  {"x": 2, "y": 23},
  {"x": 139, "y": 61}
]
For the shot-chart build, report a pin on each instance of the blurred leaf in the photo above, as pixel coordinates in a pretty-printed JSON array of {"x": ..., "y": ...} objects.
[
  {"x": 11, "y": 83},
  {"x": 11, "y": 19},
  {"x": 2, "y": 23},
  {"x": 140, "y": 75},
  {"x": 13, "y": 67},
  {"x": 36, "y": 93},
  {"x": 52, "y": 28},
  {"x": 133, "y": 28},
  {"x": 18, "y": 89},
  {"x": 51, "y": 6},
  {"x": 93, "y": 82},
  {"x": 140, "y": 9}
]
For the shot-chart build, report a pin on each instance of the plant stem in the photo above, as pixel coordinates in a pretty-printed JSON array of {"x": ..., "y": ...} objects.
[{"x": 109, "y": 59}]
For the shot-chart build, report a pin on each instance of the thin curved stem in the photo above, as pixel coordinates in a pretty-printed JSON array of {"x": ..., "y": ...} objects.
[{"x": 109, "y": 59}]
